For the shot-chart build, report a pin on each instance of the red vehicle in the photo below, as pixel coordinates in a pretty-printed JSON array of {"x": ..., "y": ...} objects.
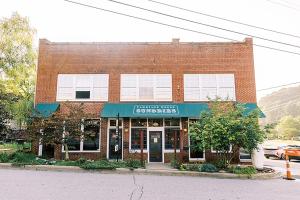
[
  {"x": 293, "y": 152},
  {"x": 275, "y": 152}
]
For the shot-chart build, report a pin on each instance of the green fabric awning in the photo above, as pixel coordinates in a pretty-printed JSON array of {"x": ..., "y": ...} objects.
[
  {"x": 45, "y": 109},
  {"x": 250, "y": 107},
  {"x": 153, "y": 110}
]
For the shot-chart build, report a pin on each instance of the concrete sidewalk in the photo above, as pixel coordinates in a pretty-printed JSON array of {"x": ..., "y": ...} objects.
[{"x": 161, "y": 170}]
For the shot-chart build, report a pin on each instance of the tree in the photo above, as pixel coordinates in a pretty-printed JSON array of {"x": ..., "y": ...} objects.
[
  {"x": 226, "y": 125},
  {"x": 60, "y": 128},
  {"x": 17, "y": 63},
  {"x": 5, "y": 116},
  {"x": 288, "y": 127}
]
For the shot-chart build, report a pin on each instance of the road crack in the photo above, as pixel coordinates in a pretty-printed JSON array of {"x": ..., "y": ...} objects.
[{"x": 137, "y": 192}]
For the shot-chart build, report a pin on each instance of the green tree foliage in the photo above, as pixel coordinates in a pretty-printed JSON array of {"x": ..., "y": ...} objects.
[
  {"x": 5, "y": 115},
  {"x": 287, "y": 128},
  {"x": 223, "y": 126},
  {"x": 60, "y": 128},
  {"x": 17, "y": 63}
]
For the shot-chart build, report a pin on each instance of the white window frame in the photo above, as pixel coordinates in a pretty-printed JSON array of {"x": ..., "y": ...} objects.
[
  {"x": 155, "y": 86},
  {"x": 189, "y": 140},
  {"x": 214, "y": 151},
  {"x": 82, "y": 141},
  {"x": 200, "y": 87},
  {"x": 91, "y": 88}
]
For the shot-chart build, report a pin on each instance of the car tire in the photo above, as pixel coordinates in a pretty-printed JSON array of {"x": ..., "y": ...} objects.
[{"x": 267, "y": 157}]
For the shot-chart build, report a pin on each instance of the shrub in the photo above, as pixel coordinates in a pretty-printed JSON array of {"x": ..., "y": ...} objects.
[
  {"x": 20, "y": 157},
  {"x": 66, "y": 163},
  {"x": 133, "y": 164},
  {"x": 4, "y": 157},
  {"x": 99, "y": 165},
  {"x": 249, "y": 170},
  {"x": 81, "y": 161},
  {"x": 175, "y": 164},
  {"x": 207, "y": 167},
  {"x": 193, "y": 167}
]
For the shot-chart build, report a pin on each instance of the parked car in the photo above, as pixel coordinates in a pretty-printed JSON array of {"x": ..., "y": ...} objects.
[
  {"x": 275, "y": 151},
  {"x": 293, "y": 152}
]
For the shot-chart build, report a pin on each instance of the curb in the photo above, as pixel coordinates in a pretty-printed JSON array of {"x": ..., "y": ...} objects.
[{"x": 171, "y": 172}]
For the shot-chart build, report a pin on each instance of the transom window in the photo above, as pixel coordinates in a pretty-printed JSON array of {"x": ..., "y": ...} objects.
[
  {"x": 202, "y": 87},
  {"x": 82, "y": 87},
  {"x": 146, "y": 87}
]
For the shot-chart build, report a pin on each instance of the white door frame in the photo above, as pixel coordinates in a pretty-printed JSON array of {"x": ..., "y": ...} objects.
[
  {"x": 162, "y": 140},
  {"x": 107, "y": 138}
]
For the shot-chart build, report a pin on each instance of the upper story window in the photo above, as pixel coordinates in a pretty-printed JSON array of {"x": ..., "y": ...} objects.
[
  {"x": 82, "y": 87},
  {"x": 202, "y": 87},
  {"x": 146, "y": 87}
]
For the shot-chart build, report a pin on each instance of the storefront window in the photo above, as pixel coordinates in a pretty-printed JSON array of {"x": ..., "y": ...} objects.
[
  {"x": 172, "y": 122},
  {"x": 244, "y": 154},
  {"x": 135, "y": 138},
  {"x": 91, "y": 135},
  {"x": 195, "y": 153},
  {"x": 170, "y": 138},
  {"x": 155, "y": 122},
  {"x": 74, "y": 144},
  {"x": 138, "y": 122}
]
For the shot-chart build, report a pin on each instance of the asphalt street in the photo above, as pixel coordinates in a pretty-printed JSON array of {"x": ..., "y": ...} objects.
[
  {"x": 280, "y": 165},
  {"x": 48, "y": 185}
]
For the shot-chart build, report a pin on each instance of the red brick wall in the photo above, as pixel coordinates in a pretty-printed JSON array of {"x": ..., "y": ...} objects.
[{"x": 117, "y": 58}]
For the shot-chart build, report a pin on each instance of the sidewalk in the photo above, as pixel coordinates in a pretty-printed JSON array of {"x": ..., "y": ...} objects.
[{"x": 156, "y": 169}]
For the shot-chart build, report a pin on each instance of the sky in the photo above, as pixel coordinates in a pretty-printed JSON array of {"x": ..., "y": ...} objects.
[{"x": 60, "y": 21}]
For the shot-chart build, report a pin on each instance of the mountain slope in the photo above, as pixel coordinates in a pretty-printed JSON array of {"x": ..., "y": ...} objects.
[{"x": 281, "y": 103}]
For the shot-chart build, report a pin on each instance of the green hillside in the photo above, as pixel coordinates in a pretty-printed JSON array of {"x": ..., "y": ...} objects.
[{"x": 281, "y": 103}]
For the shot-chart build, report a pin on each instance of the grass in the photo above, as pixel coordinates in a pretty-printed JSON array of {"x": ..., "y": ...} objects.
[
  {"x": 14, "y": 147},
  {"x": 248, "y": 170}
]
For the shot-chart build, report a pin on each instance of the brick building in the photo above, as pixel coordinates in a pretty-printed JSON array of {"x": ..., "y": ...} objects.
[{"x": 156, "y": 89}]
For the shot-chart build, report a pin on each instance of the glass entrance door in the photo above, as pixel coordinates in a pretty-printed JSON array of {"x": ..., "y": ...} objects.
[
  {"x": 155, "y": 146},
  {"x": 115, "y": 144}
]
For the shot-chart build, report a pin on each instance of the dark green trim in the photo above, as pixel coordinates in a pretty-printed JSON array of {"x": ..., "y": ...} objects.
[
  {"x": 153, "y": 110},
  {"x": 45, "y": 110}
]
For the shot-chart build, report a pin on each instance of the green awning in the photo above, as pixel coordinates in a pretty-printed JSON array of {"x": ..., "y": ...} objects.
[
  {"x": 153, "y": 110},
  {"x": 250, "y": 107},
  {"x": 45, "y": 109}
]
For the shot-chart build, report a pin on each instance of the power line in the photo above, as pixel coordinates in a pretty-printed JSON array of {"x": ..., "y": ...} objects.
[
  {"x": 224, "y": 19},
  {"x": 177, "y": 27},
  {"x": 283, "y": 5},
  {"x": 278, "y": 86},
  {"x": 203, "y": 24}
]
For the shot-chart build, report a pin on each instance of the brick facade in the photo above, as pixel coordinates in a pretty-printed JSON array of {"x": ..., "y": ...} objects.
[{"x": 176, "y": 58}]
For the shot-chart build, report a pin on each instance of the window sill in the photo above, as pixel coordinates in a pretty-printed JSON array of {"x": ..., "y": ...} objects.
[
  {"x": 196, "y": 159},
  {"x": 85, "y": 151},
  {"x": 245, "y": 160},
  {"x": 137, "y": 151},
  {"x": 79, "y": 100},
  {"x": 171, "y": 151}
]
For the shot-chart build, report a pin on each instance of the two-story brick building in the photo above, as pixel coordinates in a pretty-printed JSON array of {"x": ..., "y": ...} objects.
[{"x": 155, "y": 88}]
